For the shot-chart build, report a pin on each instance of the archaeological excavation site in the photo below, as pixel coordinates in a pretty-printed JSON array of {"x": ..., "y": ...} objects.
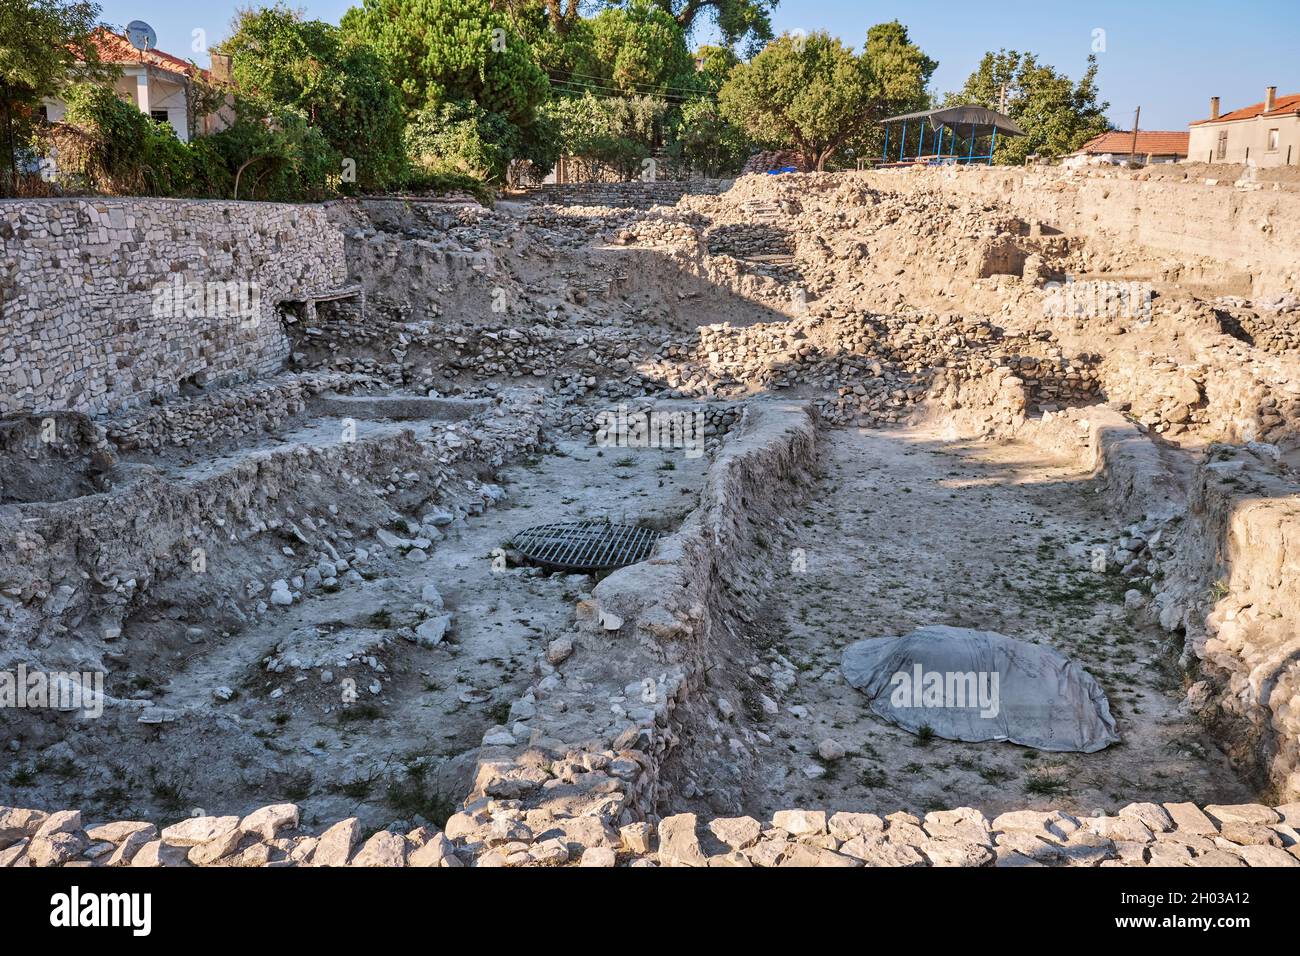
[{"x": 919, "y": 518}]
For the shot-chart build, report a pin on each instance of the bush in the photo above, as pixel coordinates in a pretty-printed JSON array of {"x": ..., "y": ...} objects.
[
  {"x": 122, "y": 150},
  {"x": 618, "y": 134},
  {"x": 707, "y": 141},
  {"x": 278, "y": 158},
  {"x": 281, "y": 61},
  {"x": 461, "y": 136},
  {"x": 440, "y": 181}
]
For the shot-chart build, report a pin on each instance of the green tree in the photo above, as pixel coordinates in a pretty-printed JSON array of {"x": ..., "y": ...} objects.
[
  {"x": 121, "y": 150},
  {"x": 1057, "y": 114},
  {"x": 714, "y": 65},
  {"x": 707, "y": 141},
  {"x": 46, "y": 47},
  {"x": 747, "y": 21},
  {"x": 441, "y": 51},
  {"x": 461, "y": 137},
  {"x": 460, "y": 52},
  {"x": 561, "y": 51},
  {"x": 278, "y": 157},
  {"x": 807, "y": 93},
  {"x": 900, "y": 75},
  {"x": 616, "y": 132},
  {"x": 639, "y": 48},
  {"x": 900, "y": 70},
  {"x": 282, "y": 61}
]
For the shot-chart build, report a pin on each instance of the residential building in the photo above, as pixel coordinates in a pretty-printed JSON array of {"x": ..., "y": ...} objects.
[
  {"x": 160, "y": 84},
  {"x": 1265, "y": 134},
  {"x": 1118, "y": 146}
]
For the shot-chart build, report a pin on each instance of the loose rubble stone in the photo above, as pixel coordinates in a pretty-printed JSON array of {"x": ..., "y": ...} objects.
[
  {"x": 336, "y": 843},
  {"x": 679, "y": 844},
  {"x": 800, "y": 822},
  {"x": 382, "y": 849},
  {"x": 737, "y": 832}
]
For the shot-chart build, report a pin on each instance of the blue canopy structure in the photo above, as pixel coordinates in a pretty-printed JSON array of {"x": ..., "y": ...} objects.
[{"x": 958, "y": 129}]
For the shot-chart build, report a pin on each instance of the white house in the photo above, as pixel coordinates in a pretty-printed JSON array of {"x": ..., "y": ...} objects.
[{"x": 158, "y": 83}]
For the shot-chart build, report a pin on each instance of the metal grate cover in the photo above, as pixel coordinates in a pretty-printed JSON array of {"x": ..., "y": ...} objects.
[{"x": 585, "y": 545}]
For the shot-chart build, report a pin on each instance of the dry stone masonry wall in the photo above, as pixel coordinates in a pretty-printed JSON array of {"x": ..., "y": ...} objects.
[{"x": 84, "y": 327}]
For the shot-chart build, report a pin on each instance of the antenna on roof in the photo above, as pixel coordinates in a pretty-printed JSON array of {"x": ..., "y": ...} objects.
[{"x": 141, "y": 35}]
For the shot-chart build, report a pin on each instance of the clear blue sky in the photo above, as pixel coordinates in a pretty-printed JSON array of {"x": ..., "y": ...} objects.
[{"x": 1170, "y": 56}]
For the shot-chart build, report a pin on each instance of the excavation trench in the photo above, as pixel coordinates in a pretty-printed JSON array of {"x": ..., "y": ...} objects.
[
  {"x": 295, "y": 569},
  {"x": 351, "y": 699},
  {"x": 908, "y": 527}
]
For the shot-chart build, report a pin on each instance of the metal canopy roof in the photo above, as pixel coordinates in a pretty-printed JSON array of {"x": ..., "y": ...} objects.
[{"x": 958, "y": 116}]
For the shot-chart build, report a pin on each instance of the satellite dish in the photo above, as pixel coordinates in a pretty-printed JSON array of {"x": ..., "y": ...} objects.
[{"x": 141, "y": 35}]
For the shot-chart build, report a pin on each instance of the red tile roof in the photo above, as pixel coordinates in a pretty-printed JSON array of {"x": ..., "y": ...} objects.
[
  {"x": 1156, "y": 143},
  {"x": 118, "y": 49},
  {"x": 1281, "y": 106}
]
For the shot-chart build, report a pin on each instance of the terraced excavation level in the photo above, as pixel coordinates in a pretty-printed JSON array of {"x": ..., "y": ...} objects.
[{"x": 909, "y": 528}]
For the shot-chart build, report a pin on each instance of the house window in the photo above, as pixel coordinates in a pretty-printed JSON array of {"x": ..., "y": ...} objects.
[
  {"x": 158, "y": 116},
  {"x": 1272, "y": 140},
  {"x": 1222, "y": 151}
]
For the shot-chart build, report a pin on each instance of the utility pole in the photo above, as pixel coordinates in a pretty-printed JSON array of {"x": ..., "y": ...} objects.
[
  {"x": 1132, "y": 153},
  {"x": 1002, "y": 99}
]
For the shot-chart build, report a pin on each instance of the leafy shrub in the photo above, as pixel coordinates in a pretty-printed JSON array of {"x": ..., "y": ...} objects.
[
  {"x": 279, "y": 158},
  {"x": 707, "y": 141},
  {"x": 461, "y": 136},
  {"x": 439, "y": 181},
  {"x": 124, "y": 150}
]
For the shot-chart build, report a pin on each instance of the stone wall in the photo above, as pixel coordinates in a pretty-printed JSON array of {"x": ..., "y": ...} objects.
[
  {"x": 83, "y": 326},
  {"x": 1231, "y": 585},
  {"x": 638, "y": 652},
  {"x": 636, "y": 195},
  {"x": 568, "y": 780},
  {"x": 1140, "y": 834}
]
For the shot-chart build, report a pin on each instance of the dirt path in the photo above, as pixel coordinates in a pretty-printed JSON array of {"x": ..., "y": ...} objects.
[{"x": 909, "y": 529}]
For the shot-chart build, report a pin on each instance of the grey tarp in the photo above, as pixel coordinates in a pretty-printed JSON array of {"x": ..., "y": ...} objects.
[{"x": 980, "y": 685}]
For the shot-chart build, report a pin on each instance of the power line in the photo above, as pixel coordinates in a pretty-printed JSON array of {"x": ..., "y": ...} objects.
[
  {"x": 676, "y": 89},
  {"x": 608, "y": 92}
]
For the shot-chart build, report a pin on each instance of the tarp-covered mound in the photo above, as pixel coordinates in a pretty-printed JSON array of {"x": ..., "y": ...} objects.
[{"x": 980, "y": 685}]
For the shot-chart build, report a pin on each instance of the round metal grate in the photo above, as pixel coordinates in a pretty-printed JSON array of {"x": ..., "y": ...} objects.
[{"x": 585, "y": 545}]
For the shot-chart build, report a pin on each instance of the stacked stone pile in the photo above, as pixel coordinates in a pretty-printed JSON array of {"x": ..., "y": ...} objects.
[
  {"x": 770, "y": 159},
  {"x": 500, "y": 832},
  {"x": 1270, "y": 324},
  {"x": 222, "y": 415},
  {"x": 626, "y": 195}
]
